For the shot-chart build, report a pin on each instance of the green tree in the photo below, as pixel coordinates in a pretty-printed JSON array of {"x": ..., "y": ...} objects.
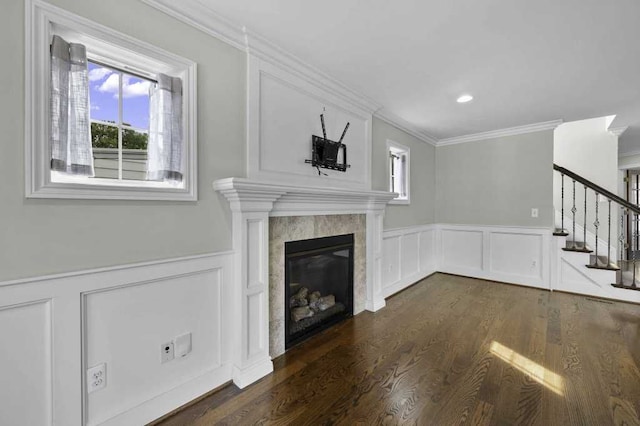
[{"x": 105, "y": 136}]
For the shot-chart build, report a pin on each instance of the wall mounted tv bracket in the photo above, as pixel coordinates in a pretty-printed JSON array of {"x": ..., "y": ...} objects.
[{"x": 325, "y": 152}]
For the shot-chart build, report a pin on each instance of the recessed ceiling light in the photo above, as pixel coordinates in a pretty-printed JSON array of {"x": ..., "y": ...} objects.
[{"x": 464, "y": 99}]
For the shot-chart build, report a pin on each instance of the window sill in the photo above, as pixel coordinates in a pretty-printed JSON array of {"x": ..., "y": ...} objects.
[
  {"x": 154, "y": 191},
  {"x": 405, "y": 202}
]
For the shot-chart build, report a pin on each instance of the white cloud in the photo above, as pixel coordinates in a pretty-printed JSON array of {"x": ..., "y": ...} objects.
[
  {"x": 95, "y": 107},
  {"x": 97, "y": 74},
  {"x": 129, "y": 90}
]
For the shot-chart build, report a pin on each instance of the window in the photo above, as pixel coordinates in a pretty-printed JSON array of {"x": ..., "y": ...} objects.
[
  {"x": 119, "y": 112},
  {"x": 111, "y": 117},
  {"x": 398, "y": 172}
]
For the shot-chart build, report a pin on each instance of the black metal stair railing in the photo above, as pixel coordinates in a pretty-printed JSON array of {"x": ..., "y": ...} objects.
[{"x": 627, "y": 240}]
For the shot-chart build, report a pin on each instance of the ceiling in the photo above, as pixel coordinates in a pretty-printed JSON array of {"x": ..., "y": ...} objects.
[{"x": 523, "y": 61}]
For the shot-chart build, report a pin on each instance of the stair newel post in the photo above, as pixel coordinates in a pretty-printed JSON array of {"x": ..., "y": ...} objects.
[
  {"x": 596, "y": 224},
  {"x": 584, "y": 231},
  {"x": 609, "y": 236},
  {"x": 562, "y": 205},
  {"x": 573, "y": 210}
]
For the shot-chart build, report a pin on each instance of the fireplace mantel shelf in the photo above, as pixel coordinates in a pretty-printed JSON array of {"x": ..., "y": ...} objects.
[{"x": 289, "y": 200}]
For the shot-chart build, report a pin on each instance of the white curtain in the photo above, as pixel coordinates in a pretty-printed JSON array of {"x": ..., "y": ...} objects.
[
  {"x": 70, "y": 136},
  {"x": 165, "y": 130}
]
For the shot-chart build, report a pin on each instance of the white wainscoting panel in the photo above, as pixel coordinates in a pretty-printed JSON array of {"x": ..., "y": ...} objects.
[
  {"x": 461, "y": 250},
  {"x": 25, "y": 364},
  {"x": 516, "y": 254},
  {"x": 55, "y": 327},
  {"x": 126, "y": 326},
  {"x": 408, "y": 256},
  {"x": 509, "y": 254}
]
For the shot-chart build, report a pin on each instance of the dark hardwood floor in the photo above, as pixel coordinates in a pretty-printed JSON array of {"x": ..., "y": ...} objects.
[{"x": 452, "y": 350}]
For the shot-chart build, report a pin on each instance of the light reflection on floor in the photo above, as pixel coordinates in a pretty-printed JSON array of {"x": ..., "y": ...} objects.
[{"x": 547, "y": 378}]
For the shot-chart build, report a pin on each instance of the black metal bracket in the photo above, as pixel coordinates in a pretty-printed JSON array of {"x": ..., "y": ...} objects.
[{"x": 325, "y": 153}]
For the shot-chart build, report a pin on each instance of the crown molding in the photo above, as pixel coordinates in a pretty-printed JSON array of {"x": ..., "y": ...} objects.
[
  {"x": 510, "y": 131},
  {"x": 628, "y": 153},
  {"x": 203, "y": 18},
  {"x": 618, "y": 131},
  {"x": 260, "y": 47},
  {"x": 405, "y": 126}
]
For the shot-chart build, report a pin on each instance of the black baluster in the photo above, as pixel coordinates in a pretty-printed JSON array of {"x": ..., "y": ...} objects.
[
  {"x": 621, "y": 243},
  {"x": 596, "y": 224},
  {"x": 609, "y": 237},
  {"x": 584, "y": 236},
  {"x": 562, "y": 207},
  {"x": 633, "y": 246},
  {"x": 574, "y": 210}
]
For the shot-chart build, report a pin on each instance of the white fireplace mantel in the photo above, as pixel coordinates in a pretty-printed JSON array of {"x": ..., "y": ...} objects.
[
  {"x": 289, "y": 200},
  {"x": 252, "y": 202}
]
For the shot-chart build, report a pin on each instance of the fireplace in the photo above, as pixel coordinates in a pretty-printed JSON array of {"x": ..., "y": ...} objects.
[{"x": 318, "y": 285}]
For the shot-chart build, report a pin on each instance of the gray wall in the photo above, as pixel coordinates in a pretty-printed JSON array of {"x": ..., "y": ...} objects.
[
  {"x": 40, "y": 237},
  {"x": 421, "y": 211},
  {"x": 496, "y": 181},
  {"x": 48, "y": 236}
]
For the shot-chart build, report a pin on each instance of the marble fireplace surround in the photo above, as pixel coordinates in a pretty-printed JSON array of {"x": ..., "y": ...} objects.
[
  {"x": 252, "y": 204},
  {"x": 283, "y": 229}
]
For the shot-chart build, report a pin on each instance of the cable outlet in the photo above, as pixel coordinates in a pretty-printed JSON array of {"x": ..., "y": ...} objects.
[
  {"x": 166, "y": 352},
  {"x": 183, "y": 345},
  {"x": 97, "y": 378}
]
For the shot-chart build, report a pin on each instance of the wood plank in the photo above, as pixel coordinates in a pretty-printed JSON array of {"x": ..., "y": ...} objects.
[{"x": 452, "y": 350}]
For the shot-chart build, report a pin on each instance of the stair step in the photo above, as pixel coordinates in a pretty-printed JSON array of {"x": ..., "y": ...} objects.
[
  {"x": 560, "y": 233},
  {"x": 601, "y": 263},
  {"x": 578, "y": 247},
  {"x": 626, "y": 286}
]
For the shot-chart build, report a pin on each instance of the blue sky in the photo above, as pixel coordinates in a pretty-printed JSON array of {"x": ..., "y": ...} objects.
[{"x": 103, "y": 94}]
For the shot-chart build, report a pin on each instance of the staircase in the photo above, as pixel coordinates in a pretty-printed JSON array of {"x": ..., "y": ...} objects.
[{"x": 584, "y": 254}]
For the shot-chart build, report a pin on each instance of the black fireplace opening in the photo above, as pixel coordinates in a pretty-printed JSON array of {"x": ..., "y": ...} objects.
[{"x": 318, "y": 285}]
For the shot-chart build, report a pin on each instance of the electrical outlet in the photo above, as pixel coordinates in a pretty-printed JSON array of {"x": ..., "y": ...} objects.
[
  {"x": 183, "y": 345},
  {"x": 534, "y": 264},
  {"x": 96, "y": 378},
  {"x": 166, "y": 352},
  {"x": 534, "y": 212}
]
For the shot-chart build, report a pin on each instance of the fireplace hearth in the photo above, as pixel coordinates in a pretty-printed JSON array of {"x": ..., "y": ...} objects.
[{"x": 318, "y": 285}]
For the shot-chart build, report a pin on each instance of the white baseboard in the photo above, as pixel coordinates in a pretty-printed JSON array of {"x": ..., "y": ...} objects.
[
  {"x": 376, "y": 305},
  {"x": 244, "y": 377},
  {"x": 175, "y": 398}
]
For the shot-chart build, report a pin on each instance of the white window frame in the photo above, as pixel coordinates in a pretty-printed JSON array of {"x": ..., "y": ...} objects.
[
  {"x": 112, "y": 47},
  {"x": 399, "y": 150}
]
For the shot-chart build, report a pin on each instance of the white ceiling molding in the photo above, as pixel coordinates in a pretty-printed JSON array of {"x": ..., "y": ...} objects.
[
  {"x": 405, "y": 126},
  {"x": 510, "y": 131},
  {"x": 262, "y": 48},
  {"x": 628, "y": 154},
  {"x": 618, "y": 131},
  {"x": 203, "y": 18}
]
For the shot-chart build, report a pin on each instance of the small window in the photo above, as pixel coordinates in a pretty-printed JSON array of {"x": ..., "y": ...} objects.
[
  {"x": 398, "y": 172},
  {"x": 112, "y": 117}
]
